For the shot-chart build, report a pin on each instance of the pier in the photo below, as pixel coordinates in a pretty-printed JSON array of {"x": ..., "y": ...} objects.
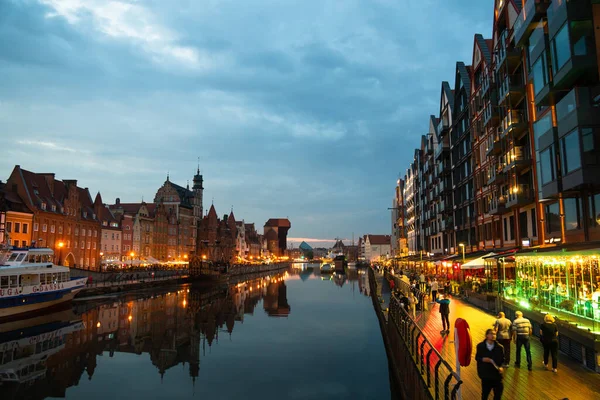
[{"x": 418, "y": 351}]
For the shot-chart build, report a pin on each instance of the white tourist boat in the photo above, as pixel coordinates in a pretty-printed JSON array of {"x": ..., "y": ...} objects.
[{"x": 30, "y": 282}]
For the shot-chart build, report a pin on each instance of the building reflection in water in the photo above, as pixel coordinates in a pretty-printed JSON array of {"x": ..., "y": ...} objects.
[{"x": 43, "y": 357}]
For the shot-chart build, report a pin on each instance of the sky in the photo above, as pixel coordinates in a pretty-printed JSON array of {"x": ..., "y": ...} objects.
[{"x": 306, "y": 109}]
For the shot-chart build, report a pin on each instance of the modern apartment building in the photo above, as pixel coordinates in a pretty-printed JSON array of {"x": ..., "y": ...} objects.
[{"x": 513, "y": 158}]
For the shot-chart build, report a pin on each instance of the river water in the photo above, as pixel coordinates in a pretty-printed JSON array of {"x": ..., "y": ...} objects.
[{"x": 293, "y": 335}]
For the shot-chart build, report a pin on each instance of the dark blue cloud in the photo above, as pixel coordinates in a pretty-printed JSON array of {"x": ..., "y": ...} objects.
[{"x": 302, "y": 109}]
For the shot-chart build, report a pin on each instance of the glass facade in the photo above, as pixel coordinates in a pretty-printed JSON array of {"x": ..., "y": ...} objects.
[
  {"x": 570, "y": 152},
  {"x": 547, "y": 165},
  {"x": 573, "y": 213},
  {"x": 552, "y": 218},
  {"x": 539, "y": 72},
  {"x": 559, "y": 281},
  {"x": 561, "y": 48}
]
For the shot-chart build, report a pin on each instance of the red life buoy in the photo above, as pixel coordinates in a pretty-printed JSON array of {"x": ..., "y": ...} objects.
[{"x": 465, "y": 344}]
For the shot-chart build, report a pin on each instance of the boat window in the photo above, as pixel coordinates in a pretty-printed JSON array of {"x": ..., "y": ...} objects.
[
  {"x": 65, "y": 276},
  {"x": 42, "y": 279},
  {"x": 31, "y": 259},
  {"x": 3, "y": 282},
  {"x": 45, "y": 258},
  {"x": 13, "y": 257},
  {"x": 13, "y": 281},
  {"x": 21, "y": 256},
  {"x": 54, "y": 278}
]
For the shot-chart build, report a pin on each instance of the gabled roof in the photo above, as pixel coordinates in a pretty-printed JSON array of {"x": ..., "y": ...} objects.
[
  {"x": 463, "y": 75},
  {"x": 185, "y": 195},
  {"x": 449, "y": 94},
  {"x": 484, "y": 46},
  {"x": 379, "y": 239},
  {"x": 12, "y": 201}
]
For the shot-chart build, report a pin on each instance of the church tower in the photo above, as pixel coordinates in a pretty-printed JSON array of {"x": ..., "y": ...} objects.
[{"x": 198, "y": 194}]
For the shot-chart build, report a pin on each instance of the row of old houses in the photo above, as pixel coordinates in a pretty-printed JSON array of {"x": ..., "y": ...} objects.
[
  {"x": 512, "y": 155},
  {"x": 36, "y": 209}
]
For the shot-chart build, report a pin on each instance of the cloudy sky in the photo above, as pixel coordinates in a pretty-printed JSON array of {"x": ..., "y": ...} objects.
[{"x": 307, "y": 109}]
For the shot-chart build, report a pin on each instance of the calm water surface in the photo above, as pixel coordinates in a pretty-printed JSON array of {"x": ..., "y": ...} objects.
[{"x": 294, "y": 335}]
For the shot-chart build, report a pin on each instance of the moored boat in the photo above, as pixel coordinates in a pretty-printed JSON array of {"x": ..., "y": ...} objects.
[
  {"x": 30, "y": 282},
  {"x": 327, "y": 268}
]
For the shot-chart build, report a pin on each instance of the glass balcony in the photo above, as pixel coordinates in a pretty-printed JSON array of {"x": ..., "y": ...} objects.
[
  {"x": 541, "y": 126},
  {"x": 494, "y": 143},
  {"x": 505, "y": 54},
  {"x": 514, "y": 124},
  {"x": 442, "y": 127},
  {"x": 519, "y": 195},
  {"x": 532, "y": 12},
  {"x": 517, "y": 159},
  {"x": 511, "y": 89},
  {"x": 490, "y": 114},
  {"x": 577, "y": 109},
  {"x": 497, "y": 205}
]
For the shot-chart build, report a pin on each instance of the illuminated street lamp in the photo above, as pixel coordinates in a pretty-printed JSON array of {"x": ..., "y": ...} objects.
[
  {"x": 101, "y": 256},
  {"x": 462, "y": 245},
  {"x": 60, "y": 246}
]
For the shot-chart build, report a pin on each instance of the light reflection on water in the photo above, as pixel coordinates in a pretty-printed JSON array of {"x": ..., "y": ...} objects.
[{"x": 296, "y": 334}]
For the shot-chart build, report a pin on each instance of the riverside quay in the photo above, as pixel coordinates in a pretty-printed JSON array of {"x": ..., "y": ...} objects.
[{"x": 502, "y": 197}]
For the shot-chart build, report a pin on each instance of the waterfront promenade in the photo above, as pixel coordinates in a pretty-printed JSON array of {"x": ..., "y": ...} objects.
[{"x": 573, "y": 381}]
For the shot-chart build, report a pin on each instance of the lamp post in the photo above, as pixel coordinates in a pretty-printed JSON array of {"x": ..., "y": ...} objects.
[
  {"x": 60, "y": 246},
  {"x": 462, "y": 245},
  {"x": 101, "y": 255},
  {"x": 131, "y": 255}
]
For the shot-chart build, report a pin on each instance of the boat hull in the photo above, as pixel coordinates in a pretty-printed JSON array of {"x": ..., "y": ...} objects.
[{"x": 33, "y": 308}]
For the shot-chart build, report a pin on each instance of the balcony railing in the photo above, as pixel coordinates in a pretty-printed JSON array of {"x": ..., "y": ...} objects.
[
  {"x": 517, "y": 158},
  {"x": 496, "y": 205},
  {"x": 532, "y": 12},
  {"x": 566, "y": 105},
  {"x": 442, "y": 126},
  {"x": 511, "y": 87},
  {"x": 519, "y": 195},
  {"x": 514, "y": 123}
]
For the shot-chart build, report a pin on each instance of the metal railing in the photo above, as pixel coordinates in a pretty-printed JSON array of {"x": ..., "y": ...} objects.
[{"x": 435, "y": 373}]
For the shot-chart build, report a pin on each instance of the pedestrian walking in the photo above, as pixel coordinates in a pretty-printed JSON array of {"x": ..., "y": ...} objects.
[
  {"x": 521, "y": 328},
  {"x": 549, "y": 337},
  {"x": 422, "y": 282},
  {"x": 412, "y": 304},
  {"x": 445, "y": 313},
  {"x": 503, "y": 333},
  {"x": 434, "y": 289},
  {"x": 447, "y": 287},
  {"x": 490, "y": 356}
]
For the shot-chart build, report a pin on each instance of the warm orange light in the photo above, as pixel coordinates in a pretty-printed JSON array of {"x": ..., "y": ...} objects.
[
  {"x": 98, "y": 324},
  {"x": 184, "y": 303},
  {"x": 185, "y": 256},
  {"x": 204, "y": 256},
  {"x": 130, "y": 318},
  {"x": 61, "y": 245},
  {"x": 101, "y": 253},
  {"x": 132, "y": 254}
]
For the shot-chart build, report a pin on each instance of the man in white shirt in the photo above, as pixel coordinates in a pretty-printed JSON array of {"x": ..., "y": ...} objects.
[{"x": 521, "y": 332}]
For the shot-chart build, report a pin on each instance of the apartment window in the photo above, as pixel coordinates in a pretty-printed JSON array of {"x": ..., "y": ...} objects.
[
  {"x": 68, "y": 244},
  {"x": 60, "y": 229},
  {"x": 570, "y": 152},
  {"x": 117, "y": 236},
  {"x": 9, "y": 227},
  {"x": 76, "y": 231},
  {"x": 25, "y": 228},
  {"x": 572, "y": 214},
  {"x": 105, "y": 247},
  {"x": 81, "y": 261},
  {"x": 82, "y": 232},
  {"x": 15, "y": 243},
  {"x": 511, "y": 223},
  {"x": 89, "y": 245},
  {"x": 552, "y": 218},
  {"x": 35, "y": 227},
  {"x": 113, "y": 236},
  {"x": 17, "y": 227},
  {"x": 43, "y": 206},
  {"x": 112, "y": 247},
  {"x": 68, "y": 229},
  {"x": 587, "y": 139},
  {"x": 533, "y": 223},
  {"x": 523, "y": 231},
  {"x": 44, "y": 228},
  {"x": 127, "y": 228},
  {"x": 53, "y": 208},
  {"x": 547, "y": 164},
  {"x": 539, "y": 72},
  {"x": 505, "y": 230},
  {"x": 52, "y": 229},
  {"x": 117, "y": 247},
  {"x": 595, "y": 210},
  {"x": 561, "y": 48},
  {"x": 23, "y": 243},
  {"x": 94, "y": 246},
  {"x": 95, "y": 233},
  {"x": 82, "y": 244}
]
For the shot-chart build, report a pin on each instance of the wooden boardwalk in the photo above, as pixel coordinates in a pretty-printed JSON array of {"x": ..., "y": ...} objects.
[{"x": 573, "y": 381}]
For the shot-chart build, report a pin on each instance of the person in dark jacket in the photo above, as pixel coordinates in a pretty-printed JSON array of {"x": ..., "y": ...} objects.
[
  {"x": 549, "y": 338},
  {"x": 445, "y": 312},
  {"x": 490, "y": 357}
]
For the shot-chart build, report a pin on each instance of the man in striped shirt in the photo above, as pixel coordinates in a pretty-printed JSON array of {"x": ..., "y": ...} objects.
[{"x": 522, "y": 331}]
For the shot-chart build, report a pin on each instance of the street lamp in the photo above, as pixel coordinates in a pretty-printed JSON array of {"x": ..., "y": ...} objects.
[
  {"x": 462, "y": 245},
  {"x": 101, "y": 255},
  {"x": 60, "y": 246}
]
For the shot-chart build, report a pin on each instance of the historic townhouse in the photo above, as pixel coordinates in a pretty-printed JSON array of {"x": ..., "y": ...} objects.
[
  {"x": 110, "y": 236},
  {"x": 64, "y": 218},
  {"x": 444, "y": 170},
  {"x": 461, "y": 159},
  {"x": 16, "y": 220}
]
